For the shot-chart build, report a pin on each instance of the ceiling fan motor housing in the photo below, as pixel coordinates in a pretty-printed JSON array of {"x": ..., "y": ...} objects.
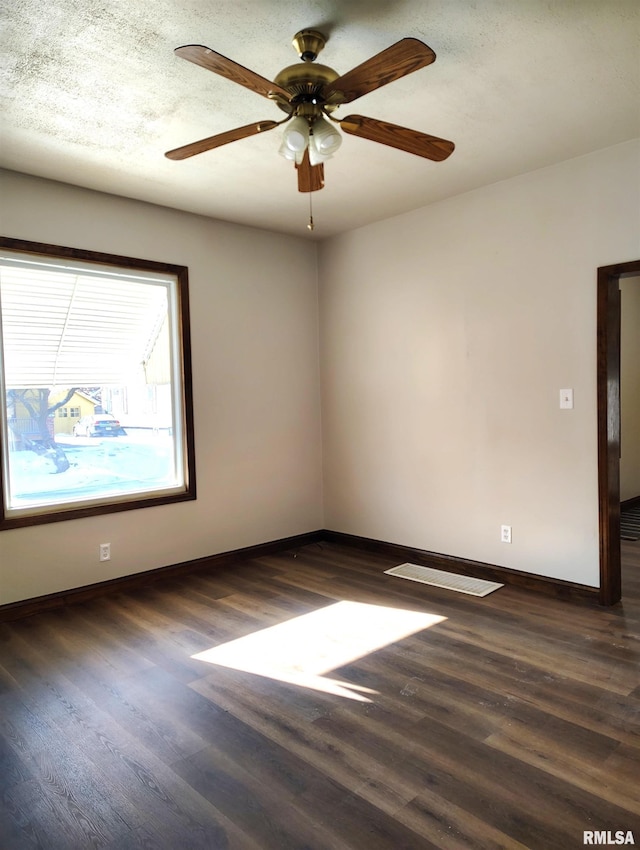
[
  {"x": 305, "y": 83},
  {"x": 308, "y": 43}
]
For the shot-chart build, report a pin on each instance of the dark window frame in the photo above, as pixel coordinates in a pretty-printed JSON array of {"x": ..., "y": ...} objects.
[{"x": 181, "y": 275}]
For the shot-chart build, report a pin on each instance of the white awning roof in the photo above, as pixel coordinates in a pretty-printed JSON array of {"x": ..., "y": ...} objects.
[{"x": 66, "y": 327}]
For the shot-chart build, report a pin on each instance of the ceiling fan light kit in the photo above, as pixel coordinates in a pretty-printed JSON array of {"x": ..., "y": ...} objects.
[
  {"x": 309, "y": 93},
  {"x": 326, "y": 139},
  {"x": 290, "y": 154},
  {"x": 296, "y": 135}
]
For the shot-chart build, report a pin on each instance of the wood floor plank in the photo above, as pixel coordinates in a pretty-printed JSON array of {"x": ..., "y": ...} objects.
[
  {"x": 509, "y": 682},
  {"x": 64, "y": 788},
  {"x": 457, "y": 768},
  {"x": 512, "y": 724},
  {"x": 135, "y": 778},
  {"x": 293, "y": 728},
  {"x": 566, "y": 752},
  {"x": 271, "y": 819},
  {"x": 472, "y": 693}
]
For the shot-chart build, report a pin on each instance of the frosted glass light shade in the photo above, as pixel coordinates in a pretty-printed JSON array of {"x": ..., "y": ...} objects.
[
  {"x": 316, "y": 158},
  {"x": 287, "y": 153},
  {"x": 296, "y": 136},
  {"x": 325, "y": 138}
]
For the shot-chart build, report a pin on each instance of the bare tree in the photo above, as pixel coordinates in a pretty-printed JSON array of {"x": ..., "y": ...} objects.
[{"x": 36, "y": 403}]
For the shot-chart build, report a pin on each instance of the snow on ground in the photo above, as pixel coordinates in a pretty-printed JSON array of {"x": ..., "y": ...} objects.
[{"x": 98, "y": 467}]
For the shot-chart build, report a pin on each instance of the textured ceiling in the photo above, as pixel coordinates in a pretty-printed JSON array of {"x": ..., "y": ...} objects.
[{"x": 92, "y": 94}]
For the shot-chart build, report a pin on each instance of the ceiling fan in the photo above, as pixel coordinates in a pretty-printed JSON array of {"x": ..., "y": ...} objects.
[{"x": 309, "y": 93}]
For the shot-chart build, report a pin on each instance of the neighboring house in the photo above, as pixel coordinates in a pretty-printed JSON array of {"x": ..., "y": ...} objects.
[
  {"x": 64, "y": 418},
  {"x": 23, "y": 426}
]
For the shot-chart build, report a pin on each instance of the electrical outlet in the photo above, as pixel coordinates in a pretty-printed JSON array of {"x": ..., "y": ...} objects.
[
  {"x": 105, "y": 551},
  {"x": 505, "y": 533}
]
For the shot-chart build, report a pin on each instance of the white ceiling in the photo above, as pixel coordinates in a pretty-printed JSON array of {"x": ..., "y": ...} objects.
[{"x": 92, "y": 95}]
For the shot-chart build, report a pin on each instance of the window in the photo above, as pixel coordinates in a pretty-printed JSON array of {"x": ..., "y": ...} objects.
[{"x": 95, "y": 383}]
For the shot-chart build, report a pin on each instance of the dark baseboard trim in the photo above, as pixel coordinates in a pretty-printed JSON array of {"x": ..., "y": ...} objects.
[
  {"x": 539, "y": 584},
  {"x": 28, "y": 607},
  {"x": 477, "y": 569},
  {"x": 630, "y": 503}
]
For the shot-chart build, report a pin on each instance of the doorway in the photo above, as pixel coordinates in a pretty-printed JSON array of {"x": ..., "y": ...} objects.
[{"x": 609, "y": 323}]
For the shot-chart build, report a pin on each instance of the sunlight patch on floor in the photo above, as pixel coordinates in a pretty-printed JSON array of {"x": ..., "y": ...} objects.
[{"x": 300, "y": 651}]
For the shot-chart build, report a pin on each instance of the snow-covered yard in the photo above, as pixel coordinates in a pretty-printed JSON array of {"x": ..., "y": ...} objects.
[{"x": 106, "y": 466}]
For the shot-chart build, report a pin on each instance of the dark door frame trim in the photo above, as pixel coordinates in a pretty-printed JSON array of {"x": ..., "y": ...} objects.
[{"x": 609, "y": 426}]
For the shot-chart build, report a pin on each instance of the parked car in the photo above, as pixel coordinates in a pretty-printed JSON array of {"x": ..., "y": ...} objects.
[{"x": 98, "y": 425}]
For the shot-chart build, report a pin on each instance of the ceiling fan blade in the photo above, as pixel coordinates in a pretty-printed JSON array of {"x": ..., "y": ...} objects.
[
  {"x": 412, "y": 141},
  {"x": 402, "y": 58},
  {"x": 221, "y": 139},
  {"x": 310, "y": 177},
  {"x": 212, "y": 61}
]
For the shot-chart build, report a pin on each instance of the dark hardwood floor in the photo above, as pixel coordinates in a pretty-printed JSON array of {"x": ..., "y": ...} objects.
[{"x": 512, "y": 723}]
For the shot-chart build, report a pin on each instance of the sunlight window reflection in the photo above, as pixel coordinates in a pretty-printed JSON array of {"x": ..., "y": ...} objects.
[{"x": 300, "y": 651}]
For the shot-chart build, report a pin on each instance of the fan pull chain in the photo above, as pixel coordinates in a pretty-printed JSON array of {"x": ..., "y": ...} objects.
[{"x": 310, "y": 225}]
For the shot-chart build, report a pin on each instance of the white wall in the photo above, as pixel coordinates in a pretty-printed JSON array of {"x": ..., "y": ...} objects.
[
  {"x": 630, "y": 389},
  {"x": 446, "y": 335},
  {"x": 254, "y": 323}
]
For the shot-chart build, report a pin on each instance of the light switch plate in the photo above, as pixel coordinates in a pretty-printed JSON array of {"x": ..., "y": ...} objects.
[{"x": 566, "y": 399}]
